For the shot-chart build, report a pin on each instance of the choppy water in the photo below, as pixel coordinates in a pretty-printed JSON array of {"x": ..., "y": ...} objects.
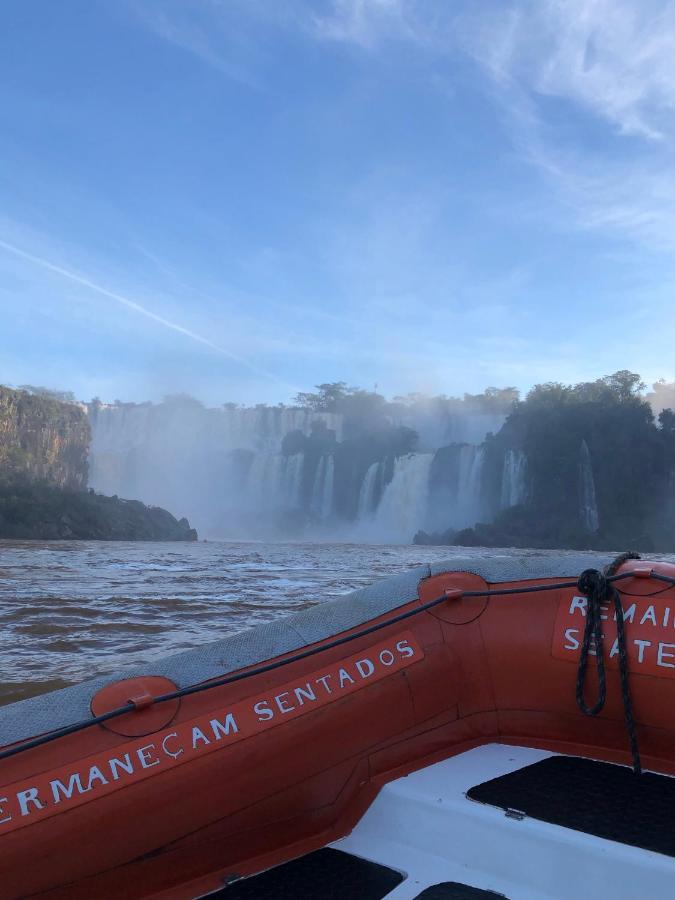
[
  {"x": 69, "y": 611},
  {"x": 72, "y": 610}
]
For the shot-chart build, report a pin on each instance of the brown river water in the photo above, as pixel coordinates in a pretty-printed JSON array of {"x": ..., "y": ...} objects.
[{"x": 73, "y": 610}]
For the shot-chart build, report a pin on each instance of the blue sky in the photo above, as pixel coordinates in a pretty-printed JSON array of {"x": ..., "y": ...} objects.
[{"x": 242, "y": 198}]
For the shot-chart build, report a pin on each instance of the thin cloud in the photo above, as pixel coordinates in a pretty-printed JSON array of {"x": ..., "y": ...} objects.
[
  {"x": 137, "y": 308},
  {"x": 613, "y": 60},
  {"x": 607, "y": 60}
]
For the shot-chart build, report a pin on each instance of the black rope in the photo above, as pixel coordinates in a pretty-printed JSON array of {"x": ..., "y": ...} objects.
[
  {"x": 599, "y": 589},
  {"x": 296, "y": 657}
]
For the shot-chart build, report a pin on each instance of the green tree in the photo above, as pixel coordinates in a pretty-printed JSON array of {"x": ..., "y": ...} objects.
[
  {"x": 667, "y": 421},
  {"x": 328, "y": 398}
]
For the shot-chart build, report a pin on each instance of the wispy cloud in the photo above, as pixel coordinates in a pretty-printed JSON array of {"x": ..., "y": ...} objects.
[
  {"x": 88, "y": 284},
  {"x": 609, "y": 61},
  {"x": 369, "y": 22},
  {"x": 614, "y": 59}
]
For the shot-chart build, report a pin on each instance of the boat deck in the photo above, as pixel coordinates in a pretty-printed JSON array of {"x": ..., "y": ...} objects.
[
  {"x": 590, "y": 796},
  {"x": 497, "y": 821}
]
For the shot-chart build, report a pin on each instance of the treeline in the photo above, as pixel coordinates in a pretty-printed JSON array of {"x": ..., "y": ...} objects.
[
  {"x": 369, "y": 408},
  {"x": 632, "y": 457}
]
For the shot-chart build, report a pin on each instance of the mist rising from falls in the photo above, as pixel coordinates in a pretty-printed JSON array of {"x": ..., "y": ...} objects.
[
  {"x": 273, "y": 472},
  {"x": 264, "y": 478},
  {"x": 438, "y": 430}
]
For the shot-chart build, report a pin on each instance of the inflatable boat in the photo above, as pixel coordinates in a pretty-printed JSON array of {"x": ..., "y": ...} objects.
[{"x": 496, "y": 727}]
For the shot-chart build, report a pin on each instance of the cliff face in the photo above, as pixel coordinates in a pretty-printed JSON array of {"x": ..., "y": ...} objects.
[
  {"x": 44, "y": 444},
  {"x": 42, "y": 439}
]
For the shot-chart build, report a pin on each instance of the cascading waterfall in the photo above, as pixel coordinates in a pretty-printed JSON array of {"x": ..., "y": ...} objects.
[
  {"x": 264, "y": 480},
  {"x": 229, "y": 470},
  {"x": 328, "y": 486},
  {"x": 403, "y": 508},
  {"x": 293, "y": 471},
  {"x": 469, "y": 501},
  {"x": 367, "y": 494},
  {"x": 476, "y": 474},
  {"x": 316, "y": 505},
  {"x": 322, "y": 491},
  {"x": 514, "y": 488},
  {"x": 588, "y": 505},
  {"x": 223, "y": 467}
]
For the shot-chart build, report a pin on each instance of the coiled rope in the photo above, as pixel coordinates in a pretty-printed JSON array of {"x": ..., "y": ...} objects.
[
  {"x": 600, "y": 591},
  {"x": 313, "y": 651}
]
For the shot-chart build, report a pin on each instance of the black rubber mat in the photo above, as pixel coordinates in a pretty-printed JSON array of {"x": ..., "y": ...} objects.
[
  {"x": 453, "y": 890},
  {"x": 324, "y": 875},
  {"x": 595, "y": 797}
]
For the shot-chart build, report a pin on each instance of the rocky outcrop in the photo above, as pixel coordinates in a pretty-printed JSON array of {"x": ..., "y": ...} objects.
[
  {"x": 42, "y": 439},
  {"x": 43, "y": 512}
]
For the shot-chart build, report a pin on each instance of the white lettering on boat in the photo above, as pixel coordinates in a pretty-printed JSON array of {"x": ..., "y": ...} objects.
[
  {"x": 649, "y": 628},
  {"x": 102, "y": 773}
]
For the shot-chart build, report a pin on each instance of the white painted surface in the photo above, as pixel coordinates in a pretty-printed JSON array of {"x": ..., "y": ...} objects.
[{"x": 424, "y": 826}]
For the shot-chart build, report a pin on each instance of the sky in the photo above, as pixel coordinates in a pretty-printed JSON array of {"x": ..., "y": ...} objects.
[{"x": 240, "y": 199}]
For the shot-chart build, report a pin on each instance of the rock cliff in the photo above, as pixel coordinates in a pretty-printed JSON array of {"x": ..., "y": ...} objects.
[
  {"x": 42, "y": 439},
  {"x": 44, "y": 447}
]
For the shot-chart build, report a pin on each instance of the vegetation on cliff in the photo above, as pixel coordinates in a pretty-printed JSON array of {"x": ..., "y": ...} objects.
[
  {"x": 42, "y": 438},
  {"x": 374, "y": 430},
  {"x": 44, "y": 444},
  {"x": 604, "y": 431}
]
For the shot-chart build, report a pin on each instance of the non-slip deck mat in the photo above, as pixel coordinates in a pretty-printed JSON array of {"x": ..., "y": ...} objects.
[
  {"x": 323, "y": 875},
  {"x": 453, "y": 890},
  {"x": 598, "y": 798}
]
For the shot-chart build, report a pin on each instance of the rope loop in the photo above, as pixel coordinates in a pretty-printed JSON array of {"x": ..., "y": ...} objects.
[{"x": 592, "y": 582}]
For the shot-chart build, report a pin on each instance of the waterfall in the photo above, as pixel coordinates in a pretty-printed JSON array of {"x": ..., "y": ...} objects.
[
  {"x": 316, "y": 505},
  {"x": 322, "y": 491},
  {"x": 469, "y": 485},
  {"x": 328, "y": 484},
  {"x": 514, "y": 488},
  {"x": 224, "y": 468},
  {"x": 476, "y": 475},
  {"x": 121, "y": 429},
  {"x": 367, "y": 496},
  {"x": 403, "y": 508},
  {"x": 264, "y": 482},
  {"x": 292, "y": 490},
  {"x": 588, "y": 506}
]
